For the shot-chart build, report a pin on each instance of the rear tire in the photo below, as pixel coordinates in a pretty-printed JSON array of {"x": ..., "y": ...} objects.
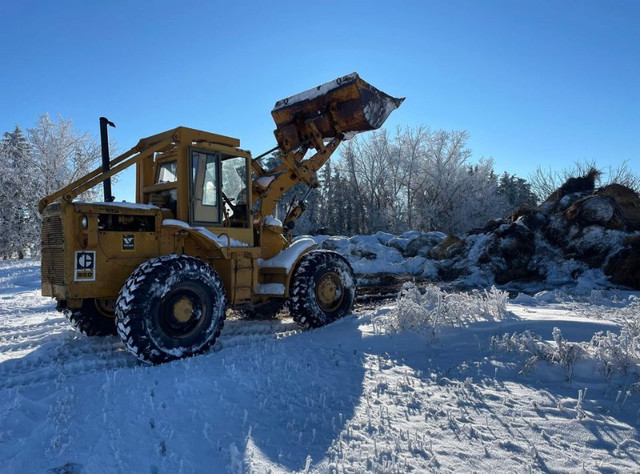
[
  {"x": 171, "y": 307},
  {"x": 323, "y": 289},
  {"x": 94, "y": 318}
]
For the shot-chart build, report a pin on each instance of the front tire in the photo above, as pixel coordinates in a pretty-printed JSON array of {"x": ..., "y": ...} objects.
[
  {"x": 323, "y": 289},
  {"x": 95, "y": 318},
  {"x": 170, "y": 307}
]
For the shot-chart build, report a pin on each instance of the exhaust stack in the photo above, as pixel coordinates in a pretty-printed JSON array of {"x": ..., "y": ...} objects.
[{"x": 104, "y": 142}]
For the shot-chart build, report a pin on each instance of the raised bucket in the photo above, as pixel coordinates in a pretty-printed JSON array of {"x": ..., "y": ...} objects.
[{"x": 344, "y": 106}]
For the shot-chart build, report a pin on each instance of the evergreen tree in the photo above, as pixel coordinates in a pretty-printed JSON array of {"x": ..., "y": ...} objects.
[
  {"x": 18, "y": 212},
  {"x": 516, "y": 191}
]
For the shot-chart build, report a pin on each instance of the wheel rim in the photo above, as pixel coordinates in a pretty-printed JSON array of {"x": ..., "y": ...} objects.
[
  {"x": 182, "y": 311},
  {"x": 106, "y": 307},
  {"x": 329, "y": 292}
]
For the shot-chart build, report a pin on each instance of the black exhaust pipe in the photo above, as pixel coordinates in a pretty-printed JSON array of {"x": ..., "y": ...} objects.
[{"x": 104, "y": 141}]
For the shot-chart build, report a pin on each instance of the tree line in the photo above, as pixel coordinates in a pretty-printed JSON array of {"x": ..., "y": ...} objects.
[
  {"x": 414, "y": 179},
  {"x": 424, "y": 179}
]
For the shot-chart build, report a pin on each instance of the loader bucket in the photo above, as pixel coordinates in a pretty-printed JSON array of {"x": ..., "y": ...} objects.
[{"x": 342, "y": 107}]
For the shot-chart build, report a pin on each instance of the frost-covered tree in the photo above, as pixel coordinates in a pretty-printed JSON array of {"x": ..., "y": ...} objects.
[
  {"x": 61, "y": 154},
  {"x": 473, "y": 201},
  {"x": 411, "y": 145},
  {"x": 365, "y": 162},
  {"x": 17, "y": 187},
  {"x": 441, "y": 192},
  {"x": 418, "y": 179},
  {"x": 50, "y": 156}
]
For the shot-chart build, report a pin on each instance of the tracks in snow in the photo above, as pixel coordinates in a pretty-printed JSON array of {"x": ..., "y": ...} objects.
[
  {"x": 239, "y": 332},
  {"x": 38, "y": 346},
  {"x": 49, "y": 351}
]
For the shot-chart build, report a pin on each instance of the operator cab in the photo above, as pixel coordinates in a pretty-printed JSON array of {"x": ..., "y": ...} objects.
[{"x": 203, "y": 184}]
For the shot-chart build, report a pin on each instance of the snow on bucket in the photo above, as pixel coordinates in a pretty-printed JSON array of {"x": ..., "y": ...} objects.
[{"x": 344, "y": 106}]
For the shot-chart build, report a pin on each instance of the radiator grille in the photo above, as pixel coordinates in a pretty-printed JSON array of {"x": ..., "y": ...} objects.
[
  {"x": 53, "y": 266},
  {"x": 52, "y": 231},
  {"x": 52, "y": 269}
]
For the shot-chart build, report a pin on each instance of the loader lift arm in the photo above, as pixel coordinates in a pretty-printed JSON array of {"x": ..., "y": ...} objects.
[
  {"x": 319, "y": 119},
  {"x": 293, "y": 171}
]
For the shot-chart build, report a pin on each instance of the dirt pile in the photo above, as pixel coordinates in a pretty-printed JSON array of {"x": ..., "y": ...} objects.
[
  {"x": 580, "y": 235},
  {"x": 577, "y": 228}
]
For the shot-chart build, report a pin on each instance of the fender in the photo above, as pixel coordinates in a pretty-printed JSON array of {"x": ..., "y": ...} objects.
[
  {"x": 289, "y": 258},
  {"x": 205, "y": 238}
]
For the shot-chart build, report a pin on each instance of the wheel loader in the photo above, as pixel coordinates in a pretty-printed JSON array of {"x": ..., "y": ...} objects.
[{"x": 202, "y": 236}]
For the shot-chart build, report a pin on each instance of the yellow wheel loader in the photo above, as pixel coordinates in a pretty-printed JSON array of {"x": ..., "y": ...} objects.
[{"x": 202, "y": 235}]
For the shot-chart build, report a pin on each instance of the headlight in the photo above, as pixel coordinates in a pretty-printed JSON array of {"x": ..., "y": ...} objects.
[{"x": 84, "y": 222}]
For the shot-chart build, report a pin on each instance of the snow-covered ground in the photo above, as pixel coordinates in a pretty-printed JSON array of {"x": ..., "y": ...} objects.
[{"x": 432, "y": 382}]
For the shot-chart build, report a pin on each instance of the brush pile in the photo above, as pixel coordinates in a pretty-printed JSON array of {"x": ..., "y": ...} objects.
[{"x": 581, "y": 234}]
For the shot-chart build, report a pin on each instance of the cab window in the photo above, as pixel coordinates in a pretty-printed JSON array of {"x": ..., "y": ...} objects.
[
  {"x": 235, "y": 191},
  {"x": 205, "y": 187},
  {"x": 167, "y": 172}
]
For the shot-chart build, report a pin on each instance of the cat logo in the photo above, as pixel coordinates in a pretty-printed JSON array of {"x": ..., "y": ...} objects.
[
  {"x": 128, "y": 243},
  {"x": 85, "y": 266}
]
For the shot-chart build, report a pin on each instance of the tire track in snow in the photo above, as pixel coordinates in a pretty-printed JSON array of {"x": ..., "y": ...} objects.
[
  {"x": 65, "y": 355},
  {"x": 240, "y": 332},
  {"x": 29, "y": 330},
  {"x": 58, "y": 354}
]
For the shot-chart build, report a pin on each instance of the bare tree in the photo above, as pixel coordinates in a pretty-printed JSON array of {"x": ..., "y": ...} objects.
[
  {"x": 419, "y": 179},
  {"x": 61, "y": 154},
  {"x": 623, "y": 175}
]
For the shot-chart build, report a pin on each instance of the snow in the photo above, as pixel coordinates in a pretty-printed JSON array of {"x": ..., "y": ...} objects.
[
  {"x": 265, "y": 181},
  {"x": 478, "y": 263},
  {"x": 349, "y": 135},
  {"x": 491, "y": 387},
  {"x": 378, "y": 254},
  {"x": 377, "y": 111},
  {"x": 316, "y": 91},
  {"x": 270, "y": 220},
  {"x": 288, "y": 256},
  {"x": 123, "y": 204},
  {"x": 221, "y": 240},
  {"x": 270, "y": 289},
  {"x": 176, "y": 223}
]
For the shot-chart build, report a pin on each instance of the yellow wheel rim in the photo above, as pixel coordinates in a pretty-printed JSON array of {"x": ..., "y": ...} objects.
[
  {"x": 329, "y": 292},
  {"x": 183, "y": 310}
]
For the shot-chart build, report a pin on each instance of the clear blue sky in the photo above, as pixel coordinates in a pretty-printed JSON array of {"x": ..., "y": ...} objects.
[{"x": 534, "y": 82}]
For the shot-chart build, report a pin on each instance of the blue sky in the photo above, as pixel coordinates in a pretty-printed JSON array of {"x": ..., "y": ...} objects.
[{"x": 533, "y": 82}]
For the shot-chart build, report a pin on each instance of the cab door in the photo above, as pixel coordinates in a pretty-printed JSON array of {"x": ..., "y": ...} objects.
[{"x": 204, "y": 188}]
